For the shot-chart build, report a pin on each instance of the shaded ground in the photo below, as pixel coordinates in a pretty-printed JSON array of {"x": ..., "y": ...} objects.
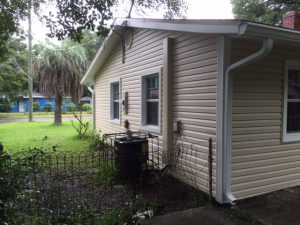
[
  {"x": 171, "y": 194},
  {"x": 198, "y": 216},
  {"x": 277, "y": 208}
]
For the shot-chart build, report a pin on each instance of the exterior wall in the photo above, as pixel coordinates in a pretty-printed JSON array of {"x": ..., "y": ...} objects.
[
  {"x": 194, "y": 60},
  {"x": 260, "y": 161}
]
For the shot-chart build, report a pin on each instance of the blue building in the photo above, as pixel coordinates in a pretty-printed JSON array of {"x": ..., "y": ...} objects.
[{"x": 22, "y": 105}]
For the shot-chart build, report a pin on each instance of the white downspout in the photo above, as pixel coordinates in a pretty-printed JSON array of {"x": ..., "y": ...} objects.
[
  {"x": 227, "y": 120},
  {"x": 93, "y": 107}
]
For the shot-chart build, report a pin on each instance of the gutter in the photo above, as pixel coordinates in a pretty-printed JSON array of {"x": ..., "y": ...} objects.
[{"x": 227, "y": 118}]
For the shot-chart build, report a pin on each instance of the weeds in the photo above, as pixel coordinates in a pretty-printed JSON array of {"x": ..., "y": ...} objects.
[{"x": 242, "y": 218}]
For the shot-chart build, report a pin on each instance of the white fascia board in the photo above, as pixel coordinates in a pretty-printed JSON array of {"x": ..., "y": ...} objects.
[
  {"x": 100, "y": 57},
  {"x": 206, "y": 27},
  {"x": 277, "y": 33}
]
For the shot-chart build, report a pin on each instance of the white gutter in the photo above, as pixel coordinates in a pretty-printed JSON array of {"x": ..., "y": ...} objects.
[{"x": 227, "y": 119}]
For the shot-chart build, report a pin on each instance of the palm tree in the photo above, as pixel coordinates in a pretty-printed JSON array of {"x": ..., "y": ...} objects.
[{"x": 60, "y": 69}]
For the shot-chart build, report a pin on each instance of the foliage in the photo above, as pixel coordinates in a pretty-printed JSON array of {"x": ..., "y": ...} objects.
[
  {"x": 81, "y": 127},
  {"x": 127, "y": 214},
  {"x": 5, "y": 105},
  {"x": 36, "y": 106},
  {"x": 242, "y": 218},
  {"x": 60, "y": 69},
  {"x": 86, "y": 107},
  {"x": 106, "y": 174},
  {"x": 48, "y": 107},
  {"x": 73, "y": 17},
  {"x": 12, "y": 65},
  {"x": 71, "y": 107},
  {"x": 96, "y": 141},
  {"x": 91, "y": 43},
  {"x": 264, "y": 11}
]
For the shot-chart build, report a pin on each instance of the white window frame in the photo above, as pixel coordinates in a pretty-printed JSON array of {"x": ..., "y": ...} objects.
[
  {"x": 111, "y": 101},
  {"x": 144, "y": 75},
  {"x": 288, "y": 137}
]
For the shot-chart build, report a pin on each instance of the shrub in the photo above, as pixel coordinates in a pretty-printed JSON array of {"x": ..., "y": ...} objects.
[
  {"x": 71, "y": 107},
  {"x": 36, "y": 106},
  {"x": 48, "y": 107},
  {"x": 96, "y": 141},
  {"x": 86, "y": 107},
  {"x": 5, "y": 105}
]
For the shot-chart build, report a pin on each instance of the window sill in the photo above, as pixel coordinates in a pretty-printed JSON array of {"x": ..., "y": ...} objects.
[
  {"x": 154, "y": 129},
  {"x": 291, "y": 138},
  {"x": 117, "y": 122}
]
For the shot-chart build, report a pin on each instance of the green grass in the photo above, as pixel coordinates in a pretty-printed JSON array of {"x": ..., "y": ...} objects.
[
  {"x": 40, "y": 114},
  {"x": 17, "y": 137}
]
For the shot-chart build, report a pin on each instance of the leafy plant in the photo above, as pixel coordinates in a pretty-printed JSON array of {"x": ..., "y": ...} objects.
[
  {"x": 97, "y": 143},
  {"x": 128, "y": 213},
  {"x": 36, "y": 106},
  {"x": 106, "y": 174},
  {"x": 86, "y": 107},
  {"x": 48, "y": 107},
  {"x": 71, "y": 107},
  {"x": 81, "y": 127}
]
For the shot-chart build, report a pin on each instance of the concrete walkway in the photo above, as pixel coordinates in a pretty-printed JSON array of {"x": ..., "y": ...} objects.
[
  {"x": 277, "y": 208},
  {"x": 205, "y": 215}
]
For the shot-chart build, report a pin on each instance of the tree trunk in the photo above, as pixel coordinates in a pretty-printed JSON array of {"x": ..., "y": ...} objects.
[{"x": 57, "y": 113}]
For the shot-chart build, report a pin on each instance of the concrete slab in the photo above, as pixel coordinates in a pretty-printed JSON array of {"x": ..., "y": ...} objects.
[
  {"x": 205, "y": 215},
  {"x": 277, "y": 208}
]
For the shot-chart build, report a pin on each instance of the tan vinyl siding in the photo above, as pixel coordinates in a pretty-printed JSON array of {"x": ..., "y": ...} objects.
[
  {"x": 260, "y": 161},
  {"x": 194, "y": 103},
  {"x": 194, "y": 61}
]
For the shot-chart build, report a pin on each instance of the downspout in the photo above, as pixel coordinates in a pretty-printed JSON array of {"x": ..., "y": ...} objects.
[
  {"x": 93, "y": 107},
  {"x": 227, "y": 119}
]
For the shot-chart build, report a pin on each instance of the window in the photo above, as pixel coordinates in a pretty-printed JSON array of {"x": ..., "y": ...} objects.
[
  {"x": 115, "y": 101},
  {"x": 291, "y": 123},
  {"x": 150, "y": 113}
]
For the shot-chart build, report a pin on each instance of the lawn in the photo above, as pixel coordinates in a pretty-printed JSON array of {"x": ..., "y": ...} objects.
[
  {"x": 39, "y": 114},
  {"x": 18, "y": 137}
]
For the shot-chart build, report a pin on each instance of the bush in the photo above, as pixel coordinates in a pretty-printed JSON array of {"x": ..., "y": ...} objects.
[
  {"x": 71, "y": 107},
  {"x": 36, "y": 106},
  {"x": 5, "y": 105},
  {"x": 86, "y": 107},
  {"x": 96, "y": 141},
  {"x": 48, "y": 107}
]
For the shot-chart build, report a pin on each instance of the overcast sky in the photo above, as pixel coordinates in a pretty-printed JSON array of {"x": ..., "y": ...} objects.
[{"x": 197, "y": 9}]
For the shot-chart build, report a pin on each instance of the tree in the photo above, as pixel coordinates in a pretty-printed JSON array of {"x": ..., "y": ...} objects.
[
  {"x": 75, "y": 16},
  {"x": 60, "y": 69},
  {"x": 12, "y": 65},
  {"x": 11, "y": 13},
  {"x": 263, "y": 11}
]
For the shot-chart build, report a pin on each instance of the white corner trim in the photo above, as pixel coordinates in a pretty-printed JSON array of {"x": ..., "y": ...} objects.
[
  {"x": 288, "y": 137},
  {"x": 223, "y": 61}
]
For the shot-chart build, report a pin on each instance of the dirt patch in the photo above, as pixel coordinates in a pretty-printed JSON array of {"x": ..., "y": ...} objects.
[{"x": 171, "y": 194}]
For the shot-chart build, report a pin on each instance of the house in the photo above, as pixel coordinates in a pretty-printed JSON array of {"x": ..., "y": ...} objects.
[
  {"x": 234, "y": 81},
  {"x": 22, "y": 104}
]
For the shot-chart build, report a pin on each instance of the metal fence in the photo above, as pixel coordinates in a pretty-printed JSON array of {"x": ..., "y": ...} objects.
[
  {"x": 41, "y": 188},
  {"x": 61, "y": 189}
]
